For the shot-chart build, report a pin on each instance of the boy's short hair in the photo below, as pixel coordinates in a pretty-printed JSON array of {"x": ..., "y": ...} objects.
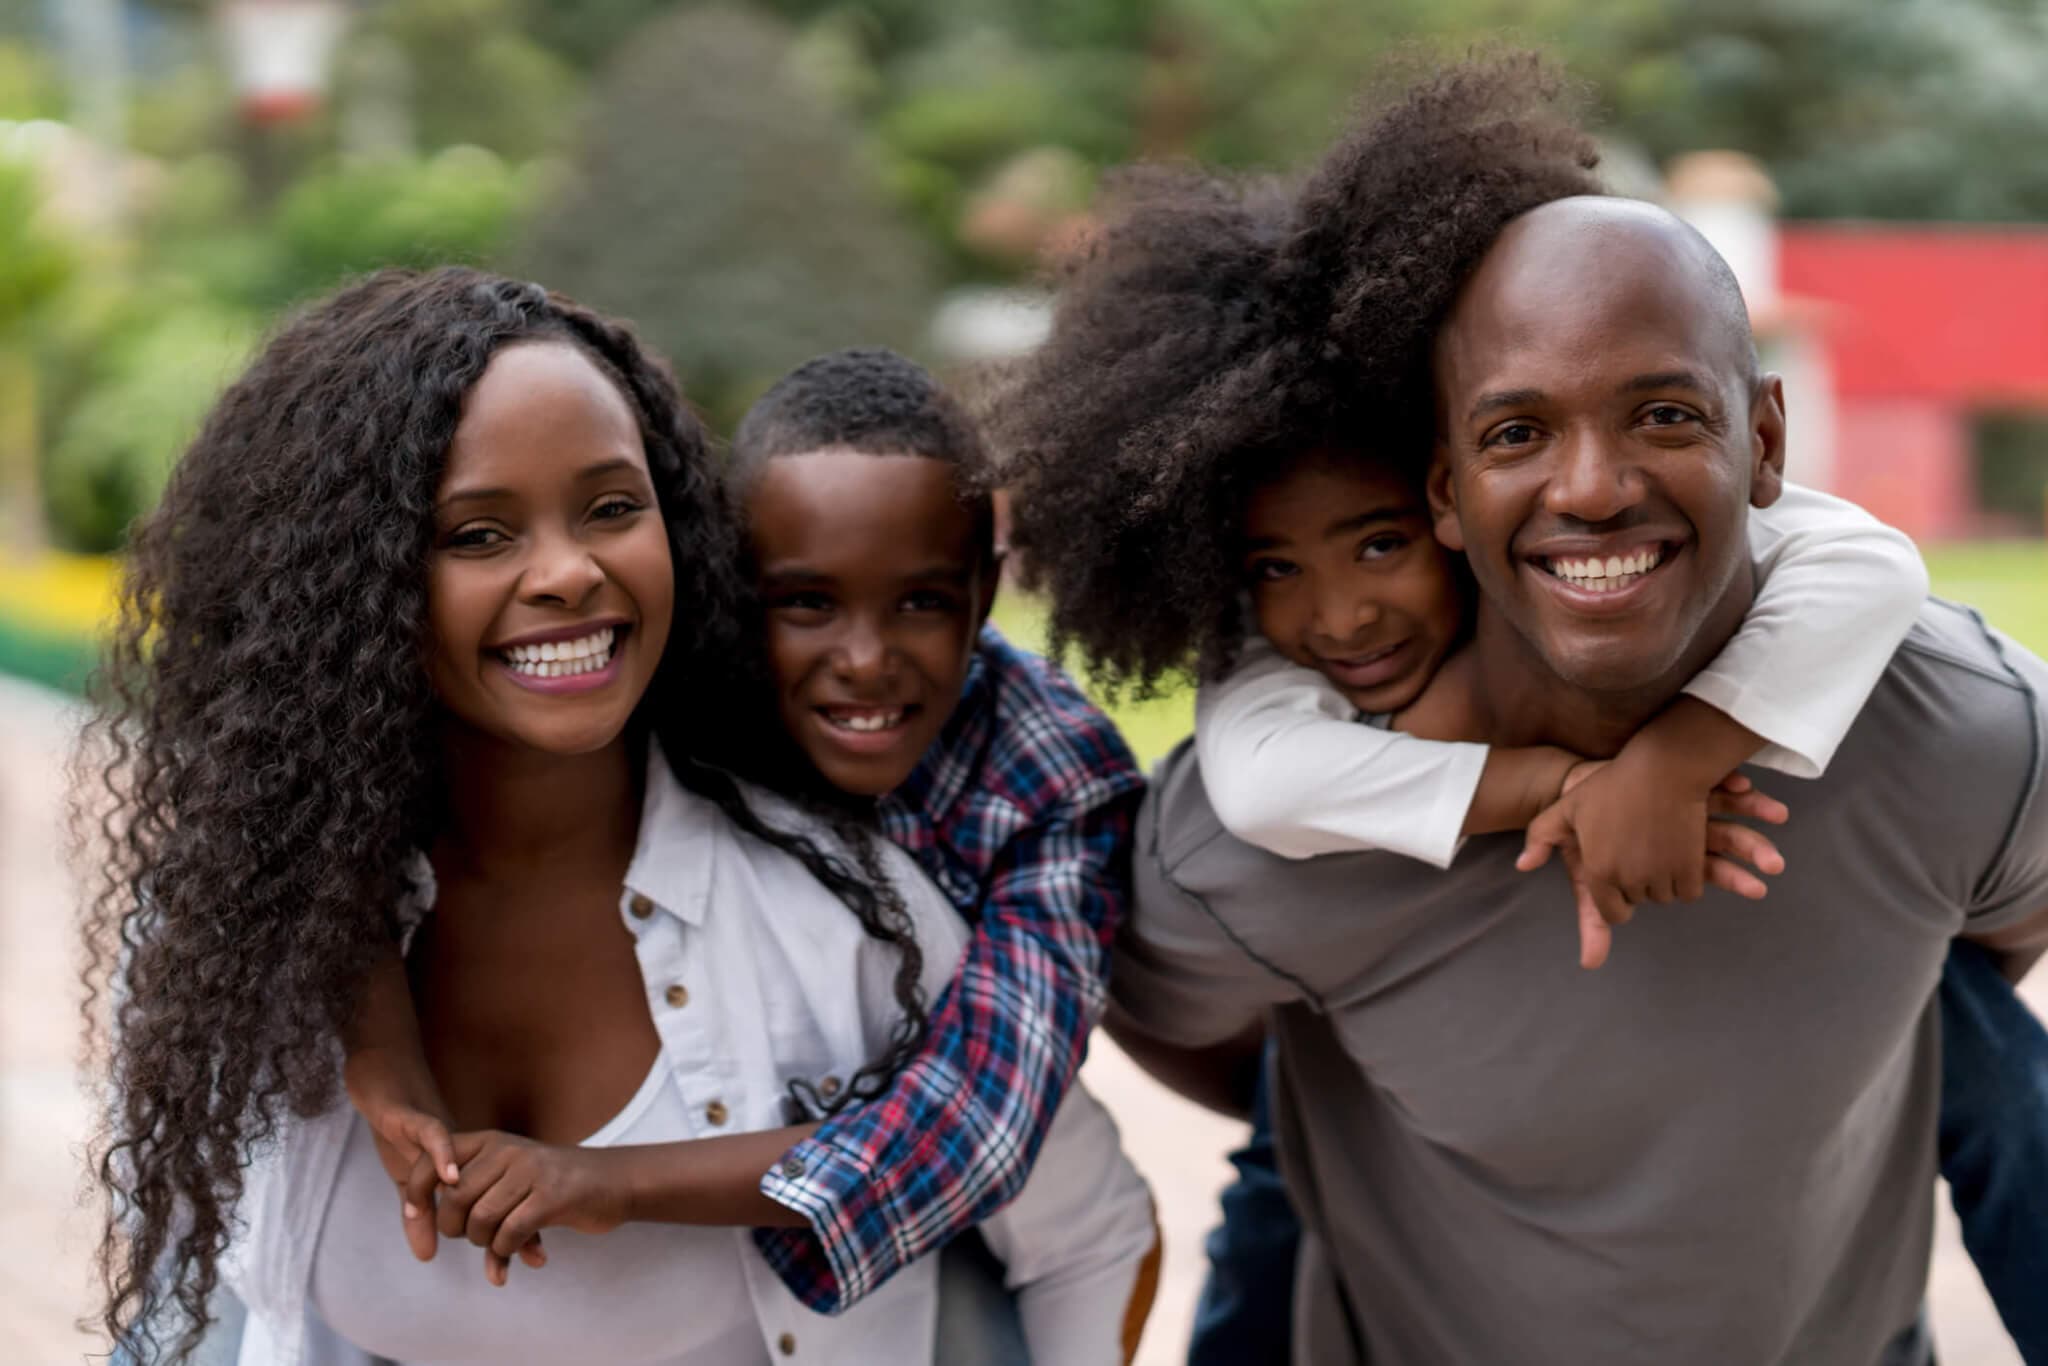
[{"x": 871, "y": 400}]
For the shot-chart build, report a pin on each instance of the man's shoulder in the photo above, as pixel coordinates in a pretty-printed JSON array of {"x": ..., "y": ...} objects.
[
  {"x": 1048, "y": 746},
  {"x": 1956, "y": 680}
]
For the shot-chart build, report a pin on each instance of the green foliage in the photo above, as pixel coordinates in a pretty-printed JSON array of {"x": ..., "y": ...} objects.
[
  {"x": 727, "y": 209},
  {"x": 28, "y": 87},
  {"x": 158, "y": 375},
  {"x": 476, "y": 75},
  {"x": 34, "y": 265}
]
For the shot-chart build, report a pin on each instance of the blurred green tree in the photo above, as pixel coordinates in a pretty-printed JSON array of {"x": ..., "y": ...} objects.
[{"x": 719, "y": 201}]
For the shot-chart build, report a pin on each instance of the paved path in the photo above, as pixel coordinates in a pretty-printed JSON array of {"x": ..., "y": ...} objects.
[{"x": 45, "y": 1232}]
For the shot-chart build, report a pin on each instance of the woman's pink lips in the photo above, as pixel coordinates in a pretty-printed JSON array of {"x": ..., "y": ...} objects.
[{"x": 1368, "y": 670}]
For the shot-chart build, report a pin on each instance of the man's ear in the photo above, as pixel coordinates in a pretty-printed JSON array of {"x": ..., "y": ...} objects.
[
  {"x": 1767, "y": 442},
  {"x": 1443, "y": 500}
]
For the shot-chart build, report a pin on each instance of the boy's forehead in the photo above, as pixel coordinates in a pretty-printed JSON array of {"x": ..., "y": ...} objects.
[{"x": 883, "y": 505}]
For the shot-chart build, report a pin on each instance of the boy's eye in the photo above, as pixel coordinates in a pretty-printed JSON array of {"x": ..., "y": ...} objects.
[
  {"x": 929, "y": 600},
  {"x": 1269, "y": 571},
  {"x": 1383, "y": 545}
]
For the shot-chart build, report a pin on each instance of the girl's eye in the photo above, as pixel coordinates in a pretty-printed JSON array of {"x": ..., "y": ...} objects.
[
  {"x": 1269, "y": 571},
  {"x": 1379, "y": 547},
  {"x": 803, "y": 602}
]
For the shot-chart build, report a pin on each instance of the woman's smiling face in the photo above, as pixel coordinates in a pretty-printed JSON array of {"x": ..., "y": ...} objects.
[{"x": 549, "y": 587}]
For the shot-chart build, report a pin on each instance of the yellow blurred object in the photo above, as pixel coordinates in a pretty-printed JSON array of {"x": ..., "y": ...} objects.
[{"x": 57, "y": 593}]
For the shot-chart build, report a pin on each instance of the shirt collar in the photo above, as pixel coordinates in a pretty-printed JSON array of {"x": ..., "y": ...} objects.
[
  {"x": 672, "y": 859},
  {"x": 942, "y": 777}
]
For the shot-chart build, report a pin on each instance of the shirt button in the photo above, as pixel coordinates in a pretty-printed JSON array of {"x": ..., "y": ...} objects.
[
  {"x": 640, "y": 906},
  {"x": 786, "y": 1344},
  {"x": 677, "y": 996},
  {"x": 715, "y": 1112},
  {"x": 829, "y": 1087},
  {"x": 792, "y": 1167}
]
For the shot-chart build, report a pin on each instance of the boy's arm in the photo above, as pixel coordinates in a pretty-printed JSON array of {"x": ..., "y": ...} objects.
[
  {"x": 1289, "y": 769},
  {"x": 1837, "y": 591},
  {"x": 954, "y": 1136}
]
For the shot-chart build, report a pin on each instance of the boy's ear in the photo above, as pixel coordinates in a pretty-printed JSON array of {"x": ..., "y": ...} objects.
[
  {"x": 992, "y": 582},
  {"x": 1443, "y": 501}
]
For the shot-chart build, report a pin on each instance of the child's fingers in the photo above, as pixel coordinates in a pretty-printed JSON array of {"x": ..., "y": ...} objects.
[
  {"x": 519, "y": 1231},
  {"x": 1596, "y": 937},
  {"x": 1749, "y": 805},
  {"x": 1737, "y": 781},
  {"x": 430, "y": 1135},
  {"x": 1753, "y": 847},
  {"x": 534, "y": 1254},
  {"x": 1545, "y": 835},
  {"x": 497, "y": 1270},
  {"x": 1733, "y": 877},
  {"x": 417, "y": 1204}
]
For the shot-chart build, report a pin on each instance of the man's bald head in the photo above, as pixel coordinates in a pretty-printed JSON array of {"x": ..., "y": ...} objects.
[{"x": 1599, "y": 407}]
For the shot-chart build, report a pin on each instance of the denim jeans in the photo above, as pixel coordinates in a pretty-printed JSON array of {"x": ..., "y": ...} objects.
[{"x": 1994, "y": 1154}]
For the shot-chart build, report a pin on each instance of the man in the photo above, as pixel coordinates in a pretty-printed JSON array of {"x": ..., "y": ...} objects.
[{"x": 1719, "y": 1148}]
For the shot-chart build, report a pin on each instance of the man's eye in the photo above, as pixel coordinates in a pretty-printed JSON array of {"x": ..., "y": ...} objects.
[
  {"x": 1667, "y": 415},
  {"x": 1513, "y": 434}
]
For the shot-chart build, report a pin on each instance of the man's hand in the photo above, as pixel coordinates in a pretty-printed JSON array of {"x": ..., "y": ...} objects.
[
  {"x": 1629, "y": 835},
  {"x": 511, "y": 1188}
]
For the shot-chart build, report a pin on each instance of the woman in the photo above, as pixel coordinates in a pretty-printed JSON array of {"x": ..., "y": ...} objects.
[{"x": 433, "y": 573}]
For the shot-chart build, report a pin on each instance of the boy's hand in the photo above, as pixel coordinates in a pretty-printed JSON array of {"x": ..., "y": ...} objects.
[
  {"x": 1628, "y": 836},
  {"x": 511, "y": 1188}
]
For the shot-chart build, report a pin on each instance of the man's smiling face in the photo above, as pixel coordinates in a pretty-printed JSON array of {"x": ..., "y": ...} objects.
[{"x": 1601, "y": 430}]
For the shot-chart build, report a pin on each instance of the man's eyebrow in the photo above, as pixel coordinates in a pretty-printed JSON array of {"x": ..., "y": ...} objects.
[
  {"x": 1506, "y": 398},
  {"x": 1667, "y": 379},
  {"x": 594, "y": 471}
]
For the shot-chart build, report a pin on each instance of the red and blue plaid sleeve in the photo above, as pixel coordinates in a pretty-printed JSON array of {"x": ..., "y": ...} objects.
[{"x": 1029, "y": 815}]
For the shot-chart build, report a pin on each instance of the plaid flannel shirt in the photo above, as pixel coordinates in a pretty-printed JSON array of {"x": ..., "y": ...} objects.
[{"x": 1021, "y": 812}]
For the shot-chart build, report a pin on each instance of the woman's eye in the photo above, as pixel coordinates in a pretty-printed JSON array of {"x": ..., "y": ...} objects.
[
  {"x": 611, "y": 509},
  {"x": 474, "y": 538}
]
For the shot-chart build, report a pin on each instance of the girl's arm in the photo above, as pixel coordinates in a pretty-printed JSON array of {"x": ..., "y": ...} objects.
[
  {"x": 1288, "y": 769},
  {"x": 1837, "y": 590}
]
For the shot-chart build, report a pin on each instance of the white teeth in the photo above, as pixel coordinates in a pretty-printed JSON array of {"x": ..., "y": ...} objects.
[
  {"x": 563, "y": 658},
  {"x": 1606, "y": 576},
  {"x": 874, "y": 722}
]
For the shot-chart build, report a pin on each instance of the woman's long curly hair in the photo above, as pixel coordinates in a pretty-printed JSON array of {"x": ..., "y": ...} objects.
[
  {"x": 262, "y": 763},
  {"x": 1218, "y": 331}
]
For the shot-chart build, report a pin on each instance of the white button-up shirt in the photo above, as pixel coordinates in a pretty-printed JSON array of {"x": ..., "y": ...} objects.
[{"x": 756, "y": 975}]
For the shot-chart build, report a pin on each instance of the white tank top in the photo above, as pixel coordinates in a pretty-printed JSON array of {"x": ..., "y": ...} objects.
[{"x": 641, "y": 1295}]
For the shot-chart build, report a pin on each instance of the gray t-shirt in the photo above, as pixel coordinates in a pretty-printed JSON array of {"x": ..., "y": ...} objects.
[{"x": 1717, "y": 1149}]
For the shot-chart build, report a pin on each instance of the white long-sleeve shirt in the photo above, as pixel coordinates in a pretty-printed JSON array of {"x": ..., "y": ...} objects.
[
  {"x": 1289, "y": 770},
  {"x": 754, "y": 974}
]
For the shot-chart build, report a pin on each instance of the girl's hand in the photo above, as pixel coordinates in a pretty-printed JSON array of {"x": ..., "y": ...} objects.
[
  {"x": 1628, "y": 836},
  {"x": 511, "y": 1188}
]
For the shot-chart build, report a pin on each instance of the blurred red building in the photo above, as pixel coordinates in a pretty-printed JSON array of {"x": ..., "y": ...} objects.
[{"x": 1924, "y": 329}]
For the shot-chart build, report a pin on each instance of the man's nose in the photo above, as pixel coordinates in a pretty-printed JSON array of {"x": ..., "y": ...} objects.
[{"x": 1593, "y": 480}]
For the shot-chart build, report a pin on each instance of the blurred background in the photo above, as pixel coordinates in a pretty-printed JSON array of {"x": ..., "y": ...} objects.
[{"x": 756, "y": 182}]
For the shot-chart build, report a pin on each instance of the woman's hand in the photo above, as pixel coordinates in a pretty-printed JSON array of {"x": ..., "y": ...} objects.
[{"x": 511, "y": 1188}]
